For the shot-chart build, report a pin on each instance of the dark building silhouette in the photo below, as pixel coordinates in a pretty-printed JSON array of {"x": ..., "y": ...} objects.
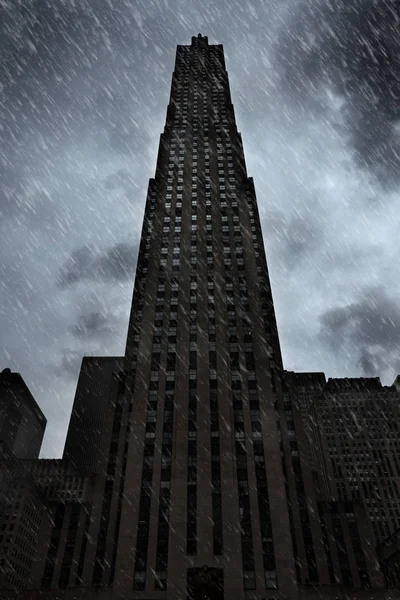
[
  {"x": 192, "y": 468},
  {"x": 389, "y": 556},
  {"x": 202, "y": 373},
  {"x": 86, "y": 427},
  {"x": 22, "y": 423},
  {"x": 353, "y": 425}
]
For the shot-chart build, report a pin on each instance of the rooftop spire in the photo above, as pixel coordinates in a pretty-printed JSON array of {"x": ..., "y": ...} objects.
[{"x": 200, "y": 39}]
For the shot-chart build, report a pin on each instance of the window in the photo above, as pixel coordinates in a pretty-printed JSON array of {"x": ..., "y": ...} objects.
[
  {"x": 140, "y": 578},
  {"x": 270, "y": 580},
  {"x": 249, "y": 580}
]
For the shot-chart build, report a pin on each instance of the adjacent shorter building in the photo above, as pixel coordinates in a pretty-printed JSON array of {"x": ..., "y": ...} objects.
[
  {"x": 21, "y": 513},
  {"x": 22, "y": 423},
  {"x": 22, "y": 427},
  {"x": 333, "y": 542},
  {"x": 356, "y": 423},
  {"x": 52, "y": 511},
  {"x": 86, "y": 427}
]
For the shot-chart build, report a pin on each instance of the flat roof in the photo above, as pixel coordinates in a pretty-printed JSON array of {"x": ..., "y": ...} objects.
[{"x": 10, "y": 380}]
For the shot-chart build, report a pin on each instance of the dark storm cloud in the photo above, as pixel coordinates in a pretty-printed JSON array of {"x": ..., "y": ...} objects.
[
  {"x": 297, "y": 237},
  {"x": 354, "y": 48},
  {"x": 94, "y": 325},
  {"x": 76, "y": 267},
  {"x": 371, "y": 326},
  {"x": 301, "y": 237},
  {"x": 121, "y": 180},
  {"x": 68, "y": 68},
  {"x": 372, "y": 364},
  {"x": 69, "y": 364},
  {"x": 117, "y": 263}
]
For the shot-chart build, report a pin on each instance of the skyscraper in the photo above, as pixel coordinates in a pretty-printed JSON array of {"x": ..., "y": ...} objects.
[{"x": 203, "y": 482}]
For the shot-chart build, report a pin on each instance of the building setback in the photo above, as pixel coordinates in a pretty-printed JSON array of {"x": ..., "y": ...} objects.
[{"x": 197, "y": 479}]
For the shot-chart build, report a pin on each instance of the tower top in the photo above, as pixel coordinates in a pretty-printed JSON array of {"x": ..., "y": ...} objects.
[{"x": 200, "y": 39}]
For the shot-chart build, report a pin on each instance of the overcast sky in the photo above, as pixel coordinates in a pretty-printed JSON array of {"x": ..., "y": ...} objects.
[{"x": 84, "y": 88}]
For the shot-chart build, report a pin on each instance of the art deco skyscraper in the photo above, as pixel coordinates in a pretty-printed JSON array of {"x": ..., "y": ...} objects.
[{"x": 203, "y": 482}]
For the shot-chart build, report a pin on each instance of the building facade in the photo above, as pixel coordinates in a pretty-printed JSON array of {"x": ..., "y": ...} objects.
[
  {"x": 188, "y": 471},
  {"x": 202, "y": 374},
  {"x": 389, "y": 557},
  {"x": 353, "y": 427},
  {"x": 86, "y": 431}
]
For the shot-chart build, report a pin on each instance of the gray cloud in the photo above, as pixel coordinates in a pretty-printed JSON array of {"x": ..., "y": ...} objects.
[
  {"x": 122, "y": 180},
  {"x": 68, "y": 365},
  {"x": 352, "y": 48},
  {"x": 71, "y": 76},
  {"x": 117, "y": 263},
  {"x": 302, "y": 236},
  {"x": 93, "y": 325},
  {"x": 298, "y": 237},
  {"x": 372, "y": 365},
  {"x": 371, "y": 325},
  {"x": 76, "y": 267}
]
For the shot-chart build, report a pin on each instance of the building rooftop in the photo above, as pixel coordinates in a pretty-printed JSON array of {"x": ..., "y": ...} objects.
[{"x": 10, "y": 381}]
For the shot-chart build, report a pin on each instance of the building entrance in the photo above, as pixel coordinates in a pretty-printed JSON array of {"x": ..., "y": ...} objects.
[{"x": 205, "y": 583}]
